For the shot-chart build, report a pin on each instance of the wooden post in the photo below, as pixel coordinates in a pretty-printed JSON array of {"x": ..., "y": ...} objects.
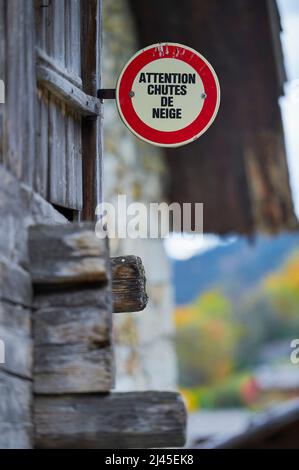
[
  {"x": 128, "y": 284},
  {"x": 91, "y": 126}
]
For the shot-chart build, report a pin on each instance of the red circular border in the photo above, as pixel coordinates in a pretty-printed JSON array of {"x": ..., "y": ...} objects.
[{"x": 167, "y": 137}]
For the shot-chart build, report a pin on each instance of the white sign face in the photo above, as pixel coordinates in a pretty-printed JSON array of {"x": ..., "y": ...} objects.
[{"x": 168, "y": 94}]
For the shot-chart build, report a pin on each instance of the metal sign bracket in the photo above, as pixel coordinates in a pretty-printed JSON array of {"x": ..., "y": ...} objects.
[{"x": 106, "y": 94}]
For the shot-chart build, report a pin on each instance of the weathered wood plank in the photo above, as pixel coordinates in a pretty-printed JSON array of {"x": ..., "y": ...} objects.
[
  {"x": 15, "y": 332},
  {"x": 128, "y": 284},
  {"x": 19, "y": 152},
  {"x": 73, "y": 368},
  {"x": 66, "y": 91},
  {"x": 73, "y": 348},
  {"x": 128, "y": 289},
  {"x": 11, "y": 276},
  {"x": 50, "y": 63},
  {"x": 73, "y": 161},
  {"x": 15, "y": 412},
  {"x": 28, "y": 88},
  {"x": 57, "y": 151},
  {"x": 67, "y": 254},
  {"x": 72, "y": 36},
  {"x": 73, "y": 341},
  {"x": 62, "y": 326},
  {"x": 117, "y": 420},
  {"x": 56, "y": 30},
  {"x": 78, "y": 178},
  {"x": 57, "y": 121},
  {"x": 41, "y": 170},
  {"x": 91, "y": 127},
  {"x": 73, "y": 296},
  {"x": 41, "y": 173}
]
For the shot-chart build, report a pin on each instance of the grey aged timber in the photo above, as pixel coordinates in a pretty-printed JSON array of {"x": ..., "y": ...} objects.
[
  {"x": 67, "y": 254},
  {"x": 118, "y": 420},
  {"x": 72, "y": 310},
  {"x": 128, "y": 284}
]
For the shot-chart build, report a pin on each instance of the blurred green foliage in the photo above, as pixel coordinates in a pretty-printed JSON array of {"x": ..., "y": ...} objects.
[{"x": 218, "y": 340}]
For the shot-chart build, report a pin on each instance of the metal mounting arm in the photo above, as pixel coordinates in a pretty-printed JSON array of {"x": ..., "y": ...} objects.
[{"x": 106, "y": 94}]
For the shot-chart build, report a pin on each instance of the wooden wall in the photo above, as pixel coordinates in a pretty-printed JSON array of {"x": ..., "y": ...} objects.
[
  {"x": 52, "y": 138},
  {"x": 41, "y": 150}
]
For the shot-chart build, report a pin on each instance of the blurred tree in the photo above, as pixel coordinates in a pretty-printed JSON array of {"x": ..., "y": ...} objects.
[
  {"x": 206, "y": 339},
  {"x": 283, "y": 288}
]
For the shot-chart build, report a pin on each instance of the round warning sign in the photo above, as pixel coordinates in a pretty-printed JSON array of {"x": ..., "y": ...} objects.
[{"x": 168, "y": 94}]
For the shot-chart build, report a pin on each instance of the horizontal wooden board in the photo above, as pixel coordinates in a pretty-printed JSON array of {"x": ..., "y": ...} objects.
[
  {"x": 67, "y": 254},
  {"x": 117, "y": 420},
  {"x": 67, "y": 92},
  {"x": 73, "y": 296},
  {"x": 73, "y": 368},
  {"x": 128, "y": 289},
  {"x": 72, "y": 325},
  {"x": 128, "y": 284}
]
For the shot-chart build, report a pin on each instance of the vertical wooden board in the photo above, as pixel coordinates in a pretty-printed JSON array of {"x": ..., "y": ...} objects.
[
  {"x": 15, "y": 331},
  {"x": 41, "y": 14},
  {"x": 57, "y": 152},
  {"x": 72, "y": 36},
  {"x": 42, "y": 109},
  {"x": 70, "y": 160},
  {"x": 91, "y": 128},
  {"x": 73, "y": 161},
  {"x": 78, "y": 163},
  {"x": 42, "y": 138},
  {"x": 29, "y": 89},
  {"x": 73, "y": 125},
  {"x": 56, "y": 30},
  {"x": 15, "y": 412},
  {"x": 15, "y": 92}
]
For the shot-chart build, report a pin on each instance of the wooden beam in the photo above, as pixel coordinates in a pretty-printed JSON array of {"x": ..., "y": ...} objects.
[
  {"x": 66, "y": 91},
  {"x": 44, "y": 59},
  {"x": 67, "y": 254},
  {"x": 91, "y": 127},
  {"x": 128, "y": 284},
  {"x": 73, "y": 348},
  {"x": 117, "y": 420}
]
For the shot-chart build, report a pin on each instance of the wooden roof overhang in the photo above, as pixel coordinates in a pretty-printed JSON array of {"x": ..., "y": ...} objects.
[{"x": 238, "y": 168}]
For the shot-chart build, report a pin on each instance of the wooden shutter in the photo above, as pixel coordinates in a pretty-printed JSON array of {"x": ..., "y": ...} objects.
[{"x": 67, "y": 107}]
